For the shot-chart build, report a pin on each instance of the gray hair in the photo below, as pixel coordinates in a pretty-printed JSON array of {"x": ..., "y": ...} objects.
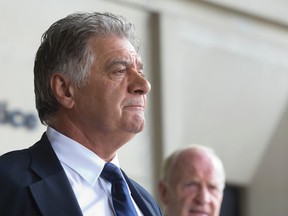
[{"x": 64, "y": 49}]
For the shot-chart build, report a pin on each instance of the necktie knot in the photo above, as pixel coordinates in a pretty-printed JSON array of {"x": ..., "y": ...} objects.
[
  {"x": 111, "y": 173},
  {"x": 122, "y": 202}
]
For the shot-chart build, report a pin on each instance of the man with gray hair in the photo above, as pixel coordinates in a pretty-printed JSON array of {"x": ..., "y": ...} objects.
[
  {"x": 192, "y": 182},
  {"x": 90, "y": 91}
]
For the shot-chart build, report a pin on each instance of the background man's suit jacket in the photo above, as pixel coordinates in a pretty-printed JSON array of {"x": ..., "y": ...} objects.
[{"x": 33, "y": 182}]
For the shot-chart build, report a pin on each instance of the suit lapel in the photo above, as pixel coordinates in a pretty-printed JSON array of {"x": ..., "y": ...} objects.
[
  {"x": 52, "y": 193},
  {"x": 141, "y": 201}
]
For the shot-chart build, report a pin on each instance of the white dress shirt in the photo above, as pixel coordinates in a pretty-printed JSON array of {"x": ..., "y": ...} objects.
[{"x": 83, "y": 169}]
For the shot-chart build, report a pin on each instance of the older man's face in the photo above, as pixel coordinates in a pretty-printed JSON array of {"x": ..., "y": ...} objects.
[
  {"x": 196, "y": 187},
  {"x": 114, "y": 99}
]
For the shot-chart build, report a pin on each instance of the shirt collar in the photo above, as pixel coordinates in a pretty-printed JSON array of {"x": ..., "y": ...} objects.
[{"x": 76, "y": 156}]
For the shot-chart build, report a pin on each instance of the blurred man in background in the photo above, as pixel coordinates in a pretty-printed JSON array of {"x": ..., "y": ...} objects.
[{"x": 192, "y": 182}]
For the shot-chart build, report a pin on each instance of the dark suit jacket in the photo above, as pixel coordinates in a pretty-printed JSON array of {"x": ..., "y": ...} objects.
[{"x": 33, "y": 182}]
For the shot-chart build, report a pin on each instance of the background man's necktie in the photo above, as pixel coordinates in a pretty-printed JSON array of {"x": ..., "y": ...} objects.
[{"x": 120, "y": 195}]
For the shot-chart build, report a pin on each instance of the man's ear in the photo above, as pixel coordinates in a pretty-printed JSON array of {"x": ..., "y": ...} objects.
[
  {"x": 163, "y": 192},
  {"x": 63, "y": 90}
]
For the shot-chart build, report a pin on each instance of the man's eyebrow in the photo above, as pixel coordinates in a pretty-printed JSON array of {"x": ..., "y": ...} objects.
[
  {"x": 123, "y": 62},
  {"x": 117, "y": 61}
]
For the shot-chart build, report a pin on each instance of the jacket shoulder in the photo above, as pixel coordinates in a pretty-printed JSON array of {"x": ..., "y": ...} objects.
[{"x": 14, "y": 161}]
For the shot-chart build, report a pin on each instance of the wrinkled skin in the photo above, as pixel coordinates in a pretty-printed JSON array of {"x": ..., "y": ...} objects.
[{"x": 108, "y": 111}]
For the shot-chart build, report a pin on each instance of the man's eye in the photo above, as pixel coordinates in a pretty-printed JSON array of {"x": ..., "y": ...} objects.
[
  {"x": 120, "y": 71},
  {"x": 213, "y": 188},
  {"x": 141, "y": 73},
  {"x": 191, "y": 184}
]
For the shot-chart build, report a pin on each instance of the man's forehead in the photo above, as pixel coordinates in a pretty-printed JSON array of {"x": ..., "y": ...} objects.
[
  {"x": 196, "y": 162},
  {"x": 119, "y": 54},
  {"x": 112, "y": 44}
]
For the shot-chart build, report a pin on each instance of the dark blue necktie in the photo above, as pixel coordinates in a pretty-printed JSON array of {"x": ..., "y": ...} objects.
[{"x": 122, "y": 202}]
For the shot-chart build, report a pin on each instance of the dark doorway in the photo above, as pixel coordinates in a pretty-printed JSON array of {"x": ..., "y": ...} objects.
[{"x": 231, "y": 201}]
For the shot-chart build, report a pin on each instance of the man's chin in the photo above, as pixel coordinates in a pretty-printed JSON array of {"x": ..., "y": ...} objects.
[
  {"x": 138, "y": 128},
  {"x": 135, "y": 124}
]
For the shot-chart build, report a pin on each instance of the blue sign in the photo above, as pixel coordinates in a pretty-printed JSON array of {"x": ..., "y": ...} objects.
[{"x": 17, "y": 118}]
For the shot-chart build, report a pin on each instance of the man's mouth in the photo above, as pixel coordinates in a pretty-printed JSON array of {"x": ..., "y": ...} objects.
[
  {"x": 135, "y": 106},
  {"x": 198, "y": 212}
]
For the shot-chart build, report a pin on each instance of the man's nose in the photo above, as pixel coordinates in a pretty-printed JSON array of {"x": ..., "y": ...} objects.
[
  {"x": 203, "y": 195},
  {"x": 138, "y": 84}
]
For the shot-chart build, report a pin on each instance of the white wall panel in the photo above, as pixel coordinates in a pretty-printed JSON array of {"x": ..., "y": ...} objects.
[{"x": 224, "y": 85}]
